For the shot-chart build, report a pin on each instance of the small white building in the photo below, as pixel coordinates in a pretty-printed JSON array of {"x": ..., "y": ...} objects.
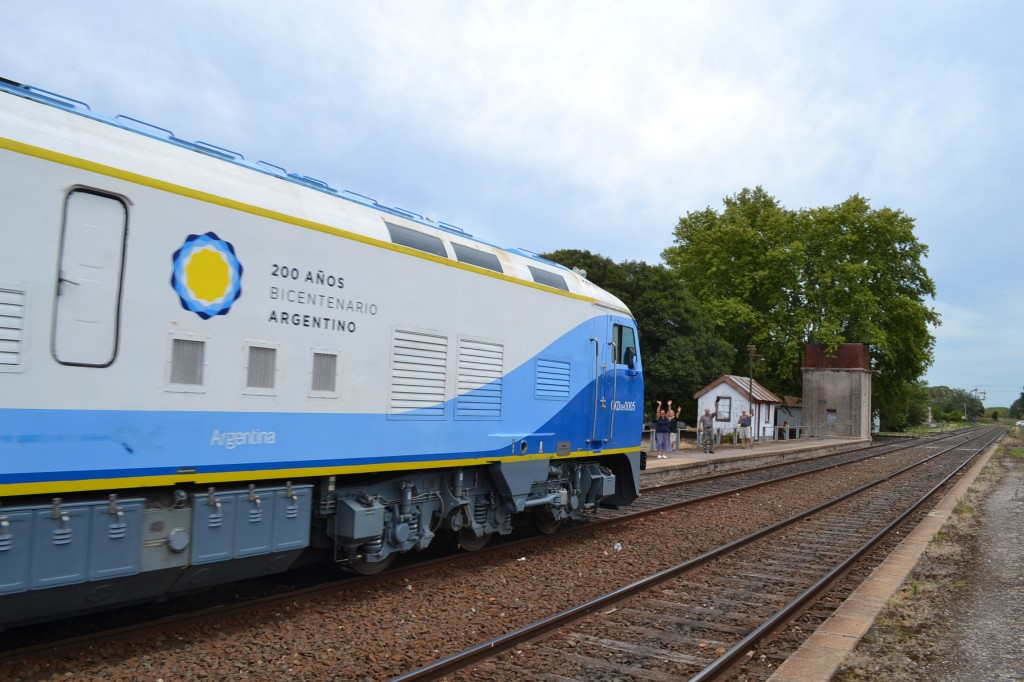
[{"x": 727, "y": 397}]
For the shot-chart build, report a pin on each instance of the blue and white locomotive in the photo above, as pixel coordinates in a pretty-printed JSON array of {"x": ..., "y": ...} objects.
[{"x": 210, "y": 366}]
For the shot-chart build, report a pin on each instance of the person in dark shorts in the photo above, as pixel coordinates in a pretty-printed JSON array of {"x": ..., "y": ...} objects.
[{"x": 745, "y": 430}]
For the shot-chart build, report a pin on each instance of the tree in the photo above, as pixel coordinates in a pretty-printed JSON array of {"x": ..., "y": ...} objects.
[
  {"x": 679, "y": 350},
  {"x": 953, "y": 404},
  {"x": 1017, "y": 408},
  {"x": 779, "y": 279}
]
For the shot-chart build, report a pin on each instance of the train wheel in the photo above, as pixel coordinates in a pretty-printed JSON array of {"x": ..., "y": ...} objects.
[
  {"x": 470, "y": 542},
  {"x": 543, "y": 521},
  {"x": 364, "y": 567}
]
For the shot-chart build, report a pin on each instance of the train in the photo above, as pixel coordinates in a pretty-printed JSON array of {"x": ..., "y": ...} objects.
[{"x": 212, "y": 369}]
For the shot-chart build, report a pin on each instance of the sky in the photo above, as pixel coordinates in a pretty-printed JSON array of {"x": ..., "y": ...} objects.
[{"x": 596, "y": 125}]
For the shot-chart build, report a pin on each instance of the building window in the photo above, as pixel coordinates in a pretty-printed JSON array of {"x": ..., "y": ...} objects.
[{"x": 723, "y": 408}]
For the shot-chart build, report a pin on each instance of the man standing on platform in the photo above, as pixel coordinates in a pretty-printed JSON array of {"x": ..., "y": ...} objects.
[
  {"x": 706, "y": 431},
  {"x": 745, "y": 430}
]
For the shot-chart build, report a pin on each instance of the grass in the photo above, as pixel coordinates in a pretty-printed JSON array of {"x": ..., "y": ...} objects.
[{"x": 963, "y": 508}]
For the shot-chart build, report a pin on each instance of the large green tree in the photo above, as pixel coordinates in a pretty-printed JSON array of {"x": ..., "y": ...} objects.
[
  {"x": 680, "y": 350},
  {"x": 778, "y": 279}
]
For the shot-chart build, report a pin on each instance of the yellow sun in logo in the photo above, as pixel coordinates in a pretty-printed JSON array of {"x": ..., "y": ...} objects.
[{"x": 208, "y": 275}]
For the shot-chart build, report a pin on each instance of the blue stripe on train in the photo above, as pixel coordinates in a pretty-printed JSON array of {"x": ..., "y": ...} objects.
[{"x": 97, "y": 444}]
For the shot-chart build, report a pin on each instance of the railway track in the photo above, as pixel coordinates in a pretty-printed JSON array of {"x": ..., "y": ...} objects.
[
  {"x": 660, "y": 501},
  {"x": 701, "y": 618},
  {"x": 92, "y": 630}
]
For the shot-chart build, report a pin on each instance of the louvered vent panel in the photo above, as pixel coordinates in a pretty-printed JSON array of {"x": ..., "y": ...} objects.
[
  {"x": 262, "y": 365},
  {"x": 481, "y": 368},
  {"x": 325, "y": 371},
  {"x": 187, "y": 357},
  {"x": 552, "y": 379},
  {"x": 12, "y": 327},
  {"x": 418, "y": 371}
]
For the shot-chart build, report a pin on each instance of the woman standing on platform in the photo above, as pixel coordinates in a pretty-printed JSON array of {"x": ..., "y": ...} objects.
[
  {"x": 662, "y": 433},
  {"x": 673, "y": 427}
]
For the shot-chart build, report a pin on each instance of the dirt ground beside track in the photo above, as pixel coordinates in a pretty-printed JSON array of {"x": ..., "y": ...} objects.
[{"x": 960, "y": 614}]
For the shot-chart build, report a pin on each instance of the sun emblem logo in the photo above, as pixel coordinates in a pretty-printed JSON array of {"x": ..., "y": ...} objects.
[{"x": 207, "y": 275}]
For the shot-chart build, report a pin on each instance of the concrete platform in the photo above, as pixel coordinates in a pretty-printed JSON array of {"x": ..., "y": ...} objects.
[{"x": 689, "y": 462}]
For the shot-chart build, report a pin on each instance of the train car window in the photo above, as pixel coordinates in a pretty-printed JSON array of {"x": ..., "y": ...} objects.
[
  {"x": 482, "y": 259},
  {"x": 415, "y": 239},
  {"x": 625, "y": 346},
  {"x": 324, "y": 379},
  {"x": 481, "y": 368},
  {"x": 85, "y": 323},
  {"x": 261, "y": 372},
  {"x": 551, "y": 279},
  {"x": 188, "y": 360}
]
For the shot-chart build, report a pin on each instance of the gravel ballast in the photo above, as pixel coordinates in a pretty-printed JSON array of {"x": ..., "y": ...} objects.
[{"x": 960, "y": 614}]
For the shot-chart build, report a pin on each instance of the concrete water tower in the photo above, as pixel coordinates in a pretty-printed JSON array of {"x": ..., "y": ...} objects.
[{"x": 837, "y": 391}]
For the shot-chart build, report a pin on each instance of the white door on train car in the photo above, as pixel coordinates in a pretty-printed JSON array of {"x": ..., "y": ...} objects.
[
  {"x": 611, "y": 345},
  {"x": 89, "y": 282}
]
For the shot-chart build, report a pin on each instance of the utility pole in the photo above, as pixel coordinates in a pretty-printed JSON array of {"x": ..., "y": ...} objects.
[
  {"x": 750, "y": 379},
  {"x": 751, "y": 351},
  {"x": 977, "y": 395}
]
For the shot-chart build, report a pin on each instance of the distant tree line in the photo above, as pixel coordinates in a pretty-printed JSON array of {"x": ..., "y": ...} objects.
[
  {"x": 954, "y": 404},
  {"x": 757, "y": 274}
]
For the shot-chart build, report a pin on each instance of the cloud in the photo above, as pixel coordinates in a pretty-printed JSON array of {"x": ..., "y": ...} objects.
[{"x": 589, "y": 124}]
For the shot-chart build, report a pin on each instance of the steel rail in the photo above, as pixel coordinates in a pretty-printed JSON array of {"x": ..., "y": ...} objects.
[
  {"x": 484, "y": 650},
  {"x": 738, "y": 651},
  {"x": 220, "y": 611},
  {"x": 176, "y": 621}
]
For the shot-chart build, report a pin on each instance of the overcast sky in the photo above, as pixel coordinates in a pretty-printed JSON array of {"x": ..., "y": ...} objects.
[{"x": 596, "y": 125}]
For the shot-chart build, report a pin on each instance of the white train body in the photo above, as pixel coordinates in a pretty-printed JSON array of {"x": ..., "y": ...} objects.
[{"x": 187, "y": 339}]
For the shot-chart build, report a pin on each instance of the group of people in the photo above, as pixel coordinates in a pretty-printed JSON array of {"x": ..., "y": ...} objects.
[{"x": 666, "y": 426}]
